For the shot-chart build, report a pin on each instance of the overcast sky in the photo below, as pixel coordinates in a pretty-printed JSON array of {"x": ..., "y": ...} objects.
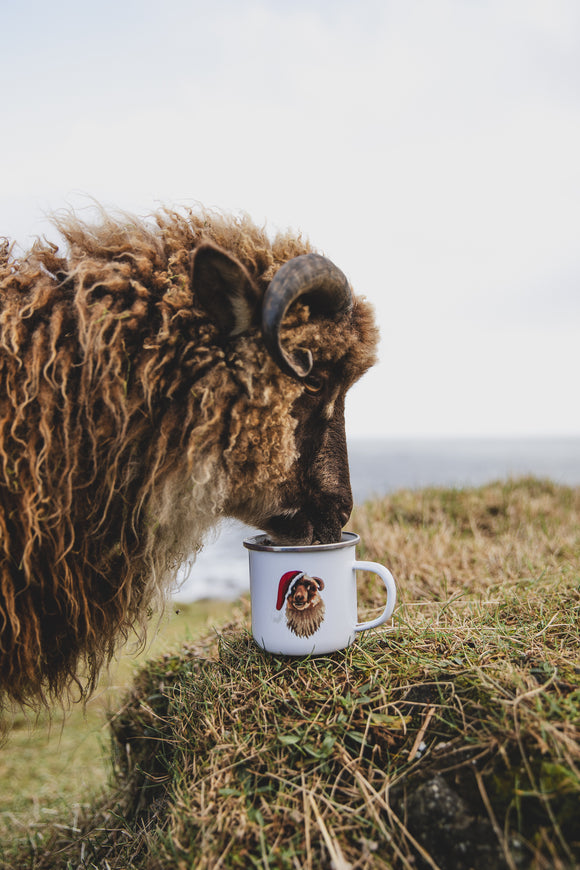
[{"x": 431, "y": 148}]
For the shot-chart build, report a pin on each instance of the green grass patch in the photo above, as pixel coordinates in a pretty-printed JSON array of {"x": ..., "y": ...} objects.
[
  {"x": 450, "y": 741},
  {"x": 54, "y": 760}
]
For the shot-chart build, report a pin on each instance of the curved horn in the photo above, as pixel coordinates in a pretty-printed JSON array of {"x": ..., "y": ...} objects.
[{"x": 328, "y": 291}]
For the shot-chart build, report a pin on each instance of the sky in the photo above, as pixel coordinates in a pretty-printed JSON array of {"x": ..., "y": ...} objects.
[{"x": 429, "y": 147}]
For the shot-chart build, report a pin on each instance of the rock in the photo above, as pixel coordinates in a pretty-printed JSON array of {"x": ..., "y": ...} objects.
[{"x": 443, "y": 823}]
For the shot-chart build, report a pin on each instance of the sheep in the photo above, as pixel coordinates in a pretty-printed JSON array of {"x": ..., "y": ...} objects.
[{"x": 157, "y": 376}]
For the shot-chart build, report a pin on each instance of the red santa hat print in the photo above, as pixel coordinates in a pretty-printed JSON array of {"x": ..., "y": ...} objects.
[{"x": 284, "y": 584}]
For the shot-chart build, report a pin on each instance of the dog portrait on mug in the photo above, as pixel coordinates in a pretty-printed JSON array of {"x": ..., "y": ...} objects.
[{"x": 304, "y": 605}]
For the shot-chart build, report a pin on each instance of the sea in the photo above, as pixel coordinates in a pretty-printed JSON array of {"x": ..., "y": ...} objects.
[{"x": 382, "y": 466}]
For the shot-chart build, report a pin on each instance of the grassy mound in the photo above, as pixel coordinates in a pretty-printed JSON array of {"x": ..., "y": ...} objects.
[{"x": 451, "y": 741}]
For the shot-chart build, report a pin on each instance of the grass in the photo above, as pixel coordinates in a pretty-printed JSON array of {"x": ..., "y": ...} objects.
[
  {"x": 450, "y": 741},
  {"x": 53, "y": 760}
]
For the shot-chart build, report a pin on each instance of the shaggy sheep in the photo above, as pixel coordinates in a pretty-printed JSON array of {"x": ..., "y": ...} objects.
[{"x": 158, "y": 377}]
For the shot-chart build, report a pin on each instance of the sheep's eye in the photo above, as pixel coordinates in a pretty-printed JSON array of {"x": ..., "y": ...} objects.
[{"x": 314, "y": 383}]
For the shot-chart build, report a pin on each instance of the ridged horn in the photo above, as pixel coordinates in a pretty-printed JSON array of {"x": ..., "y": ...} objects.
[{"x": 328, "y": 292}]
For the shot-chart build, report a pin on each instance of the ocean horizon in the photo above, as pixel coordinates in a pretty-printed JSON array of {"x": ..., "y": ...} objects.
[{"x": 379, "y": 466}]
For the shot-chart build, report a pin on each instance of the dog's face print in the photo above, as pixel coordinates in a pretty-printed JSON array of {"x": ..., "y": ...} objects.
[
  {"x": 304, "y": 592},
  {"x": 304, "y": 606}
]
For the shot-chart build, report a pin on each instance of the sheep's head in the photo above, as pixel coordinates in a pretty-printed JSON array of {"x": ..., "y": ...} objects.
[{"x": 319, "y": 340}]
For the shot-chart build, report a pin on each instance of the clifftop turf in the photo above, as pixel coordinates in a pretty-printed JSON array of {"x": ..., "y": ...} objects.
[{"x": 450, "y": 741}]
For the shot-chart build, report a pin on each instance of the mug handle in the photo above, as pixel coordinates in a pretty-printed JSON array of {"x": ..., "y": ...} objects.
[{"x": 389, "y": 582}]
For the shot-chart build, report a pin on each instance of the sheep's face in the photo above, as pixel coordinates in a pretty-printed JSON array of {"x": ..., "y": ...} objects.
[
  {"x": 294, "y": 479},
  {"x": 315, "y": 500},
  {"x": 288, "y": 470}
]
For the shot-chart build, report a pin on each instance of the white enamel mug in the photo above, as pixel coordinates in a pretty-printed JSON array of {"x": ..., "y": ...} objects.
[{"x": 304, "y": 599}]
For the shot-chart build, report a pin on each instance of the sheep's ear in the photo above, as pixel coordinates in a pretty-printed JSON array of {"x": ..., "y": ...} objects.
[{"x": 224, "y": 289}]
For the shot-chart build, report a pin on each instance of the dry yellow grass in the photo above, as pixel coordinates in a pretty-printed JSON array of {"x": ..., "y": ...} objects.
[{"x": 440, "y": 543}]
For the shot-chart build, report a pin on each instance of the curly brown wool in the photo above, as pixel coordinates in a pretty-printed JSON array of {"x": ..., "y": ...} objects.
[{"x": 129, "y": 425}]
